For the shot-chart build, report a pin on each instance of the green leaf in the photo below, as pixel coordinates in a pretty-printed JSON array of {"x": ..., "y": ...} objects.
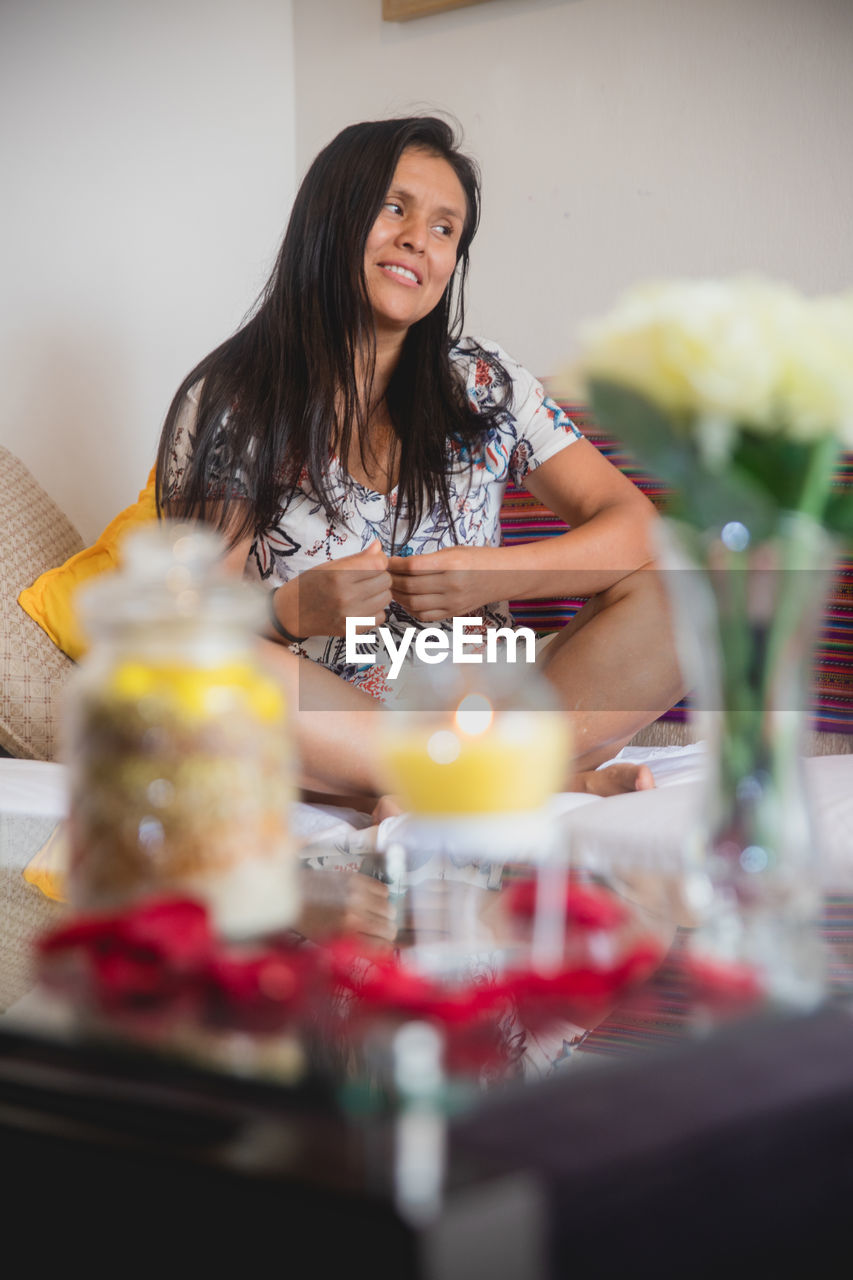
[
  {"x": 709, "y": 500},
  {"x": 644, "y": 429},
  {"x": 796, "y": 474},
  {"x": 765, "y": 473},
  {"x": 778, "y": 466},
  {"x": 838, "y": 517},
  {"x": 700, "y": 496}
]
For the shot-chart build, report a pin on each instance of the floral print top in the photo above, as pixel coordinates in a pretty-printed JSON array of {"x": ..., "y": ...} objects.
[{"x": 532, "y": 429}]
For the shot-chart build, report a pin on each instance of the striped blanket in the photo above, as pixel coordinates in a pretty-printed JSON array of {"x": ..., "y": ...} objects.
[{"x": 524, "y": 519}]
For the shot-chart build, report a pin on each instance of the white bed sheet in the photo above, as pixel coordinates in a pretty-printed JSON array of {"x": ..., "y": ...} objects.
[
  {"x": 641, "y": 824},
  {"x": 33, "y": 787}
]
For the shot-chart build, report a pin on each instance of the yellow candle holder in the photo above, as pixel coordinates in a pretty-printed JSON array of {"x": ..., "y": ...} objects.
[{"x": 475, "y": 774}]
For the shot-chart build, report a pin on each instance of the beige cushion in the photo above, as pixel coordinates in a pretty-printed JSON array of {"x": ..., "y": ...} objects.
[{"x": 34, "y": 535}]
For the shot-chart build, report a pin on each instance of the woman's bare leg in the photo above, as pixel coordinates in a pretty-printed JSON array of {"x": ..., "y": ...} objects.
[
  {"x": 334, "y": 726},
  {"x": 615, "y": 666}
]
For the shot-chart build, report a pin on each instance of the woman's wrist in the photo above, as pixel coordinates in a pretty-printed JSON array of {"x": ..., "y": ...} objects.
[
  {"x": 545, "y": 568},
  {"x": 517, "y": 572},
  {"x": 277, "y": 625}
]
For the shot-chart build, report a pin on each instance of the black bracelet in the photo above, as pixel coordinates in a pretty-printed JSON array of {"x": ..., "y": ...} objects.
[{"x": 276, "y": 622}]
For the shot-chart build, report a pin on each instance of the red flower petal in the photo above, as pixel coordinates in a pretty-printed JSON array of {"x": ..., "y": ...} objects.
[
  {"x": 720, "y": 982},
  {"x": 176, "y": 929},
  {"x": 587, "y": 906}
]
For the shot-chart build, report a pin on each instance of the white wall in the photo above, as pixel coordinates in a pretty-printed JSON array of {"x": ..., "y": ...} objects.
[
  {"x": 146, "y": 154},
  {"x": 618, "y": 139}
]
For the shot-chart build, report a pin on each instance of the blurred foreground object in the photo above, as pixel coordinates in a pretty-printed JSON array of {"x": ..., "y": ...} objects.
[
  {"x": 177, "y": 741},
  {"x": 739, "y": 395},
  {"x": 475, "y": 773}
]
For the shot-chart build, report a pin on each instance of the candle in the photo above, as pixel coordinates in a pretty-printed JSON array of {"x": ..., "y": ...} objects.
[
  {"x": 474, "y": 770},
  {"x": 475, "y": 759}
]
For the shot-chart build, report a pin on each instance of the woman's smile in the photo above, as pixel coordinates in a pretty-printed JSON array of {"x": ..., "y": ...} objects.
[{"x": 405, "y": 275}]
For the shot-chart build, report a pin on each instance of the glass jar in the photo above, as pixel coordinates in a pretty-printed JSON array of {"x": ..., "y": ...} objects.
[{"x": 177, "y": 740}]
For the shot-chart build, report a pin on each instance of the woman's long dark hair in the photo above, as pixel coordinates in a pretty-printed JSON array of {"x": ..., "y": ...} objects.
[{"x": 281, "y": 395}]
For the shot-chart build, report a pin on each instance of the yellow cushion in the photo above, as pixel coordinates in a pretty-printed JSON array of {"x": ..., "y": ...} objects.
[
  {"x": 50, "y": 599},
  {"x": 48, "y": 869}
]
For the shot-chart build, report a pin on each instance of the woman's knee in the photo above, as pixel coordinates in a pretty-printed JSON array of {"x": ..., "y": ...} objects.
[{"x": 643, "y": 588}]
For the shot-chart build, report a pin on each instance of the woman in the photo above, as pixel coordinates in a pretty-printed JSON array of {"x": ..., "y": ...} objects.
[{"x": 354, "y": 448}]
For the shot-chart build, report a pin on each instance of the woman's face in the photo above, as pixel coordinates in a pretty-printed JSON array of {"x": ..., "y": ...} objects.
[{"x": 412, "y": 248}]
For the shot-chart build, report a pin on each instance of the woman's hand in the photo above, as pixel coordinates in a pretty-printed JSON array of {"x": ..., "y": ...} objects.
[
  {"x": 319, "y": 601},
  {"x": 345, "y": 902},
  {"x": 446, "y": 584}
]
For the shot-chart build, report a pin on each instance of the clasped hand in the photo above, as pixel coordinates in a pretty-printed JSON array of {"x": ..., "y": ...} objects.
[
  {"x": 324, "y": 597},
  {"x": 431, "y": 587},
  {"x": 443, "y": 584}
]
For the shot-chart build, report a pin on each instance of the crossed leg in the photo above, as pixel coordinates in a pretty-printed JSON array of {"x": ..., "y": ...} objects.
[{"x": 613, "y": 666}]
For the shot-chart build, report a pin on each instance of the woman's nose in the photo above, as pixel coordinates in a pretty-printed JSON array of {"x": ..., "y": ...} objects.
[{"x": 413, "y": 235}]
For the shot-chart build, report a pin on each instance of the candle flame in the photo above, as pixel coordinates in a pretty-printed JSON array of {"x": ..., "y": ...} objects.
[
  {"x": 474, "y": 714},
  {"x": 443, "y": 746}
]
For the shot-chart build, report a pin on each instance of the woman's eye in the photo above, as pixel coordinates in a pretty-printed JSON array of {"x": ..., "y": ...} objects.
[
  {"x": 444, "y": 230},
  {"x": 394, "y": 206}
]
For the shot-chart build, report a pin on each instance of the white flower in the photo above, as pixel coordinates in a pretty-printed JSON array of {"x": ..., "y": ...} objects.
[
  {"x": 747, "y": 351},
  {"x": 816, "y": 387}
]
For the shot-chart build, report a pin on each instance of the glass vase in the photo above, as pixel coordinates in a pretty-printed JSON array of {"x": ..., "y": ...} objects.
[{"x": 747, "y": 613}]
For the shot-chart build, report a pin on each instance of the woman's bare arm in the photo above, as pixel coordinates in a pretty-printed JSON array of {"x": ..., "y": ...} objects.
[{"x": 610, "y": 537}]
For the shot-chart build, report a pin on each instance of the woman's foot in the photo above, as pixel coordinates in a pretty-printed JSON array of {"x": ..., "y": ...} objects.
[
  {"x": 387, "y": 807},
  {"x": 613, "y": 780}
]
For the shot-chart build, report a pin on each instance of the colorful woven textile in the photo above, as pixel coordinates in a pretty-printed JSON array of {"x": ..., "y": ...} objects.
[{"x": 524, "y": 519}]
